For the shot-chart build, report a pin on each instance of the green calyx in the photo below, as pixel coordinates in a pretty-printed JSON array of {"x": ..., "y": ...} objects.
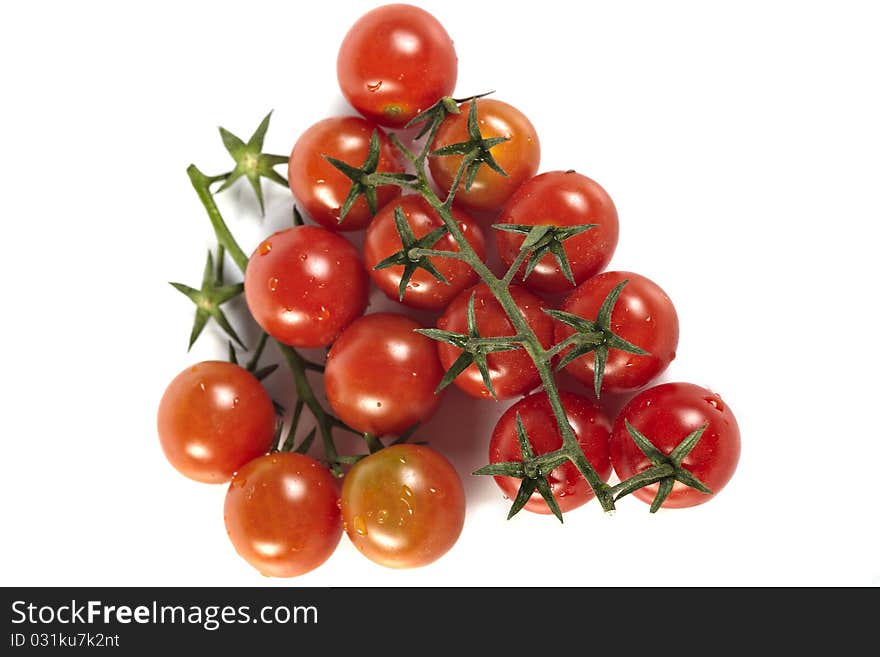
[
  {"x": 544, "y": 239},
  {"x": 251, "y": 162},
  {"x": 474, "y": 348},
  {"x": 593, "y": 337},
  {"x": 476, "y": 151},
  {"x": 210, "y": 297},
  {"x": 530, "y": 470},
  {"x": 412, "y": 261},
  {"x": 665, "y": 469},
  {"x": 366, "y": 179}
]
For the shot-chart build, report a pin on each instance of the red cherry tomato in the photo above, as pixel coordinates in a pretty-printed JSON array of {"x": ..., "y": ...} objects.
[
  {"x": 423, "y": 290},
  {"x": 396, "y": 61},
  {"x": 282, "y": 514},
  {"x": 303, "y": 285},
  {"x": 519, "y": 156},
  {"x": 512, "y": 372},
  {"x": 644, "y": 315},
  {"x": 403, "y": 506},
  {"x": 665, "y": 415},
  {"x": 561, "y": 198},
  {"x": 591, "y": 428},
  {"x": 320, "y": 187},
  {"x": 213, "y": 418},
  {"x": 380, "y": 375}
]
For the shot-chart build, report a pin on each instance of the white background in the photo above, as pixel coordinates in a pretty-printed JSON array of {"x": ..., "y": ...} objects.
[{"x": 739, "y": 140}]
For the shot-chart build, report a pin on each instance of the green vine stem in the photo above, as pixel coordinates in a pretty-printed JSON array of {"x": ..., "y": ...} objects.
[
  {"x": 295, "y": 362},
  {"x": 542, "y": 357}
]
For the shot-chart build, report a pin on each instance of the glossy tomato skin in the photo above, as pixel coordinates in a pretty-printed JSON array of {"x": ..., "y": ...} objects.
[
  {"x": 213, "y": 418},
  {"x": 512, "y": 372},
  {"x": 380, "y": 375},
  {"x": 404, "y": 506},
  {"x": 304, "y": 285},
  {"x": 644, "y": 315},
  {"x": 519, "y": 156},
  {"x": 423, "y": 291},
  {"x": 282, "y": 514},
  {"x": 396, "y": 61},
  {"x": 561, "y": 198},
  {"x": 666, "y": 414},
  {"x": 591, "y": 428},
  {"x": 320, "y": 187}
]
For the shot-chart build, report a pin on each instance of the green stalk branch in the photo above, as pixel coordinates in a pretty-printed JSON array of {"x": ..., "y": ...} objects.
[{"x": 296, "y": 363}]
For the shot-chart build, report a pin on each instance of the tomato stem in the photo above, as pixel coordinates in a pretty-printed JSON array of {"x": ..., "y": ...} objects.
[
  {"x": 500, "y": 288},
  {"x": 295, "y": 362}
]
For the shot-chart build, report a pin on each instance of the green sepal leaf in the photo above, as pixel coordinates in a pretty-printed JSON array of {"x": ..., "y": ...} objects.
[
  {"x": 684, "y": 448},
  {"x": 208, "y": 300},
  {"x": 262, "y": 373},
  {"x": 460, "y": 365},
  {"x": 662, "y": 493},
  {"x": 601, "y": 356},
  {"x": 505, "y": 469},
  {"x": 251, "y": 162},
  {"x": 654, "y": 455},
  {"x": 406, "y": 435},
  {"x": 523, "y": 495},
  {"x": 544, "y": 488}
]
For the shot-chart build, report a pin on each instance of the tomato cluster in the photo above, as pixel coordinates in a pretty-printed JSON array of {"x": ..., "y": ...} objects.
[{"x": 402, "y": 504}]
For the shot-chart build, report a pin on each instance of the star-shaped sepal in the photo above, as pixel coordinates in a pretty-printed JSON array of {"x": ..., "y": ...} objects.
[
  {"x": 412, "y": 261},
  {"x": 665, "y": 469},
  {"x": 366, "y": 179},
  {"x": 544, "y": 239},
  {"x": 474, "y": 348},
  {"x": 533, "y": 474},
  {"x": 435, "y": 114},
  {"x": 209, "y": 298},
  {"x": 476, "y": 150},
  {"x": 251, "y": 162},
  {"x": 594, "y": 336}
]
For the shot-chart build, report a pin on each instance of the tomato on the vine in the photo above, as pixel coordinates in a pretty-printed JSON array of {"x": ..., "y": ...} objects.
[
  {"x": 665, "y": 415},
  {"x": 282, "y": 514},
  {"x": 380, "y": 375},
  {"x": 591, "y": 428},
  {"x": 213, "y": 418},
  {"x": 643, "y": 315},
  {"x": 396, "y": 61},
  {"x": 512, "y": 372},
  {"x": 320, "y": 187},
  {"x": 304, "y": 285},
  {"x": 519, "y": 156},
  {"x": 403, "y": 506},
  {"x": 561, "y": 198},
  {"x": 423, "y": 290}
]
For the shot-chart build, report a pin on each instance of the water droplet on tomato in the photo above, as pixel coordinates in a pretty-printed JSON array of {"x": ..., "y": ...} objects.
[
  {"x": 202, "y": 386},
  {"x": 402, "y": 460},
  {"x": 715, "y": 403},
  {"x": 432, "y": 490},
  {"x": 265, "y": 248},
  {"x": 235, "y": 402},
  {"x": 323, "y": 313},
  {"x": 382, "y": 516},
  {"x": 273, "y": 283},
  {"x": 319, "y": 181},
  {"x": 374, "y": 86},
  {"x": 360, "y": 526},
  {"x": 303, "y": 256},
  {"x": 407, "y": 491}
]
